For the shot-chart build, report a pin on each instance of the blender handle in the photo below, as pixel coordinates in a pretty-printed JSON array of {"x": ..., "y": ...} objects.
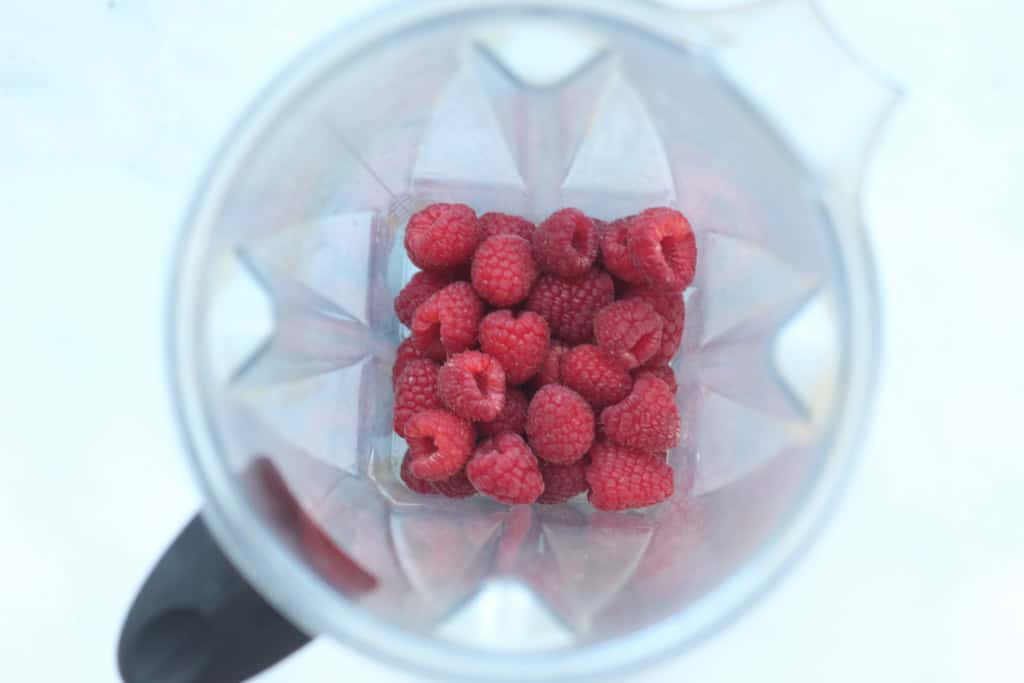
[{"x": 197, "y": 620}]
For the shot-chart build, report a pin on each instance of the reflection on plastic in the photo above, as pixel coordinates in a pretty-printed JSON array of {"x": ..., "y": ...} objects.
[{"x": 334, "y": 564}]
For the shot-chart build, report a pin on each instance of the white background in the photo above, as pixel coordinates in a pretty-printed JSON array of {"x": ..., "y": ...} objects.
[{"x": 108, "y": 111}]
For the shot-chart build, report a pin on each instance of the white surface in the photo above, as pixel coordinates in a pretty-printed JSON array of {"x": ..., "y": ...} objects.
[{"x": 109, "y": 111}]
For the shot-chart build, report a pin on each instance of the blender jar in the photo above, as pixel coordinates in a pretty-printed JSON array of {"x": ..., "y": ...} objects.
[{"x": 755, "y": 122}]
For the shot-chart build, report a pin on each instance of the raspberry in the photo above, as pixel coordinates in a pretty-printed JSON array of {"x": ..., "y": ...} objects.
[
  {"x": 504, "y": 270},
  {"x": 505, "y": 469},
  {"x": 622, "y": 479},
  {"x": 663, "y": 248},
  {"x": 420, "y": 288},
  {"x": 404, "y": 354},
  {"x": 492, "y": 224},
  {"x": 520, "y": 343},
  {"x": 566, "y": 243},
  {"x": 560, "y": 424},
  {"x": 447, "y": 321},
  {"x": 425, "y": 488},
  {"x": 562, "y": 482},
  {"x": 472, "y": 385},
  {"x": 629, "y": 330},
  {"x": 615, "y": 254},
  {"x": 415, "y": 391},
  {"x": 440, "y": 443},
  {"x": 672, "y": 309},
  {"x": 512, "y": 417},
  {"x": 569, "y": 305},
  {"x": 662, "y": 372},
  {"x": 442, "y": 235},
  {"x": 595, "y": 375},
  {"x": 455, "y": 486},
  {"x": 647, "y": 419},
  {"x": 549, "y": 371}
]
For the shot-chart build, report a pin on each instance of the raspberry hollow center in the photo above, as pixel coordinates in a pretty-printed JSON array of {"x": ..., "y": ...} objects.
[{"x": 672, "y": 250}]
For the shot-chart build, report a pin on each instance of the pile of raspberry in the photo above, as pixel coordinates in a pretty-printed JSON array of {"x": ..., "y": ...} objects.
[{"x": 538, "y": 362}]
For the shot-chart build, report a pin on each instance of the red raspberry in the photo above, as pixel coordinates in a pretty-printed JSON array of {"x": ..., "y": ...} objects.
[
  {"x": 415, "y": 391},
  {"x": 647, "y": 419},
  {"x": 472, "y": 385},
  {"x": 447, "y": 321},
  {"x": 560, "y": 424},
  {"x": 662, "y": 372},
  {"x": 672, "y": 309},
  {"x": 629, "y": 330},
  {"x": 520, "y": 343},
  {"x": 595, "y": 375},
  {"x": 504, "y": 270},
  {"x": 404, "y": 354},
  {"x": 663, "y": 248},
  {"x": 615, "y": 252},
  {"x": 623, "y": 479},
  {"x": 549, "y": 371},
  {"x": 505, "y": 469},
  {"x": 442, "y": 235},
  {"x": 425, "y": 488},
  {"x": 455, "y": 486},
  {"x": 418, "y": 289},
  {"x": 512, "y": 417},
  {"x": 440, "y": 443},
  {"x": 562, "y": 482},
  {"x": 569, "y": 306},
  {"x": 492, "y": 224},
  {"x": 566, "y": 243}
]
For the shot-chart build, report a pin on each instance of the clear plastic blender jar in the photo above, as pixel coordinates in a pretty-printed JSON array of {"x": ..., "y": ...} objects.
[{"x": 754, "y": 122}]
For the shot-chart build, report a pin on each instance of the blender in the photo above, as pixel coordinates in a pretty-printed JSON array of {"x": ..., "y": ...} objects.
[{"x": 755, "y": 122}]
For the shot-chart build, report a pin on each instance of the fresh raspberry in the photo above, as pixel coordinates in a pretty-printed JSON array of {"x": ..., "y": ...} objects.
[
  {"x": 663, "y": 248},
  {"x": 672, "y": 309},
  {"x": 415, "y": 391},
  {"x": 647, "y": 419},
  {"x": 447, "y": 322},
  {"x": 520, "y": 343},
  {"x": 472, "y": 385},
  {"x": 455, "y": 486},
  {"x": 595, "y": 375},
  {"x": 420, "y": 486},
  {"x": 629, "y": 330},
  {"x": 418, "y": 289},
  {"x": 622, "y": 479},
  {"x": 512, "y": 417},
  {"x": 615, "y": 252},
  {"x": 442, "y": 236},
  {"x": 562, "y": 482},
  {"x": 505, "y": 469},
  {"x": 566, "y": 243},
  {"x": 504, "y": 270},
  {"x": 492, "y": 224},
  {"x": 404, "y": 354},
  {"x": 560, "y": 424},
  {"x": 569, "y": 305},
  {"x": 662, "y": 372},
  {"x": 549, "y": 371},
  {"x": 440, "y": 443}
]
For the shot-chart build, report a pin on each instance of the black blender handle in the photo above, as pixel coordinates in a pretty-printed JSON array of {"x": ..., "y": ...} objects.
[{"x": 197, "y": 620}]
